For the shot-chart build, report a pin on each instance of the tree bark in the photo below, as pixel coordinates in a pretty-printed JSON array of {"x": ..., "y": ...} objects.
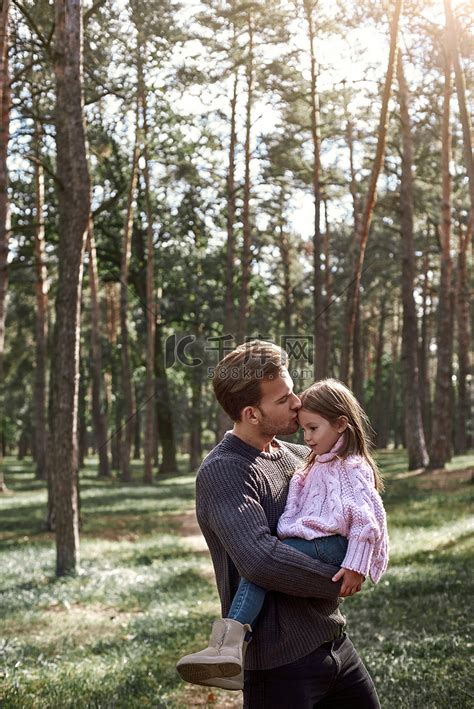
[
  {"x": 112, "y": 379},
  {"x": 128, "y": 412},
  {"x": 99, "y": 407},
  {"x": 328, "y": 287},
  {"x": 346, "y": 353},
  {"x": 223, "y": 421},
  {"x": 462, "y": 440},
  {"x": 414, "y": 434},
  {"x": 4, "y": 203},
  {"x": 165, "y": 415},
  {"x": 358, "y": 375},
  {"x": 195, "y": 457},
  {"x": 229, "y": 323},
  {"x": 73, "y": 207},
  {"x": 149, "y": 440},
  {"x": 442, "y": 423},
  {"x": 424, "y": 357},
  {"x": 284, "y": 247},
  {"x": 392, "y": 410},
  {"x": 81, "y": 412},
  {"x": 41, "y": 320},
  {"x": 137, "y": 432},
  {"x": 319, "y": 318},
  {"x": 247, "y": 231},
  {"x": 379, "y": 407},
  {"x": 353, "y": 293},
  {"x": 462, "y": 102}
]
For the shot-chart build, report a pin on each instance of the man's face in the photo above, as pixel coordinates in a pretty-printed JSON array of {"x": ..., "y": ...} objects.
[{"x": 278, "y": 406}]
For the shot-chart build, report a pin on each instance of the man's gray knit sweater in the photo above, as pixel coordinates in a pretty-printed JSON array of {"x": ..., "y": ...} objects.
[{"x": 240, "y": 494}]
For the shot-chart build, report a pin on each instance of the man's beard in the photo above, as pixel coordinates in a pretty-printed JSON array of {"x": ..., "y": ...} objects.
[{"x": 271, "y": 428}]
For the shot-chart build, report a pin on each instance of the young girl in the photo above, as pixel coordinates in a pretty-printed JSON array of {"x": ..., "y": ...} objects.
[{"x": 333, "y": 513}]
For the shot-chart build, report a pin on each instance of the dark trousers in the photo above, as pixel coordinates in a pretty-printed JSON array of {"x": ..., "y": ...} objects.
[{"x": 331, "y": 677}]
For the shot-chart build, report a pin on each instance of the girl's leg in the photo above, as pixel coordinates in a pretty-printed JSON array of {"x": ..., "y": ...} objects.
[
  {"x": 247, "y": 603},
  {"x": 331, "y": 550}
]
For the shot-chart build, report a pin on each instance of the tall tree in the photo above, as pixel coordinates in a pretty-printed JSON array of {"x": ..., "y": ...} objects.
[
  {"x": 414, "y": 434},
  {"x": 353, "y": 293},
  {"x": 126, "y": 371},
  {"x": 98, "y": 385},
  {"x": 424, "y": 378},
  {"x": 4, "y": 203},
  {"x": 319, "y": 321},
  {"x": 440, "y": 451},
  {"x": 462, "y": 102},
  {"x": 41, "y": 287},
  {"x": 463, "y": 440},
  {"x": 246, "y": 217},
  {"x": 328, "y": 287},
  {"x": 229, "y": 320},
  {"x": 149, "y": 443},
  {"x": 73, "y": 207}
]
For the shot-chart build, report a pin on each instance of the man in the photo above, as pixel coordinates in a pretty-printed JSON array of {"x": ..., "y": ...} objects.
[{"x": 300, "y": 656}]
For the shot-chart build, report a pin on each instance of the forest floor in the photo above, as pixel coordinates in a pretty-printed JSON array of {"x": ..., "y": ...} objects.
[{"x": 145, "y": 595}]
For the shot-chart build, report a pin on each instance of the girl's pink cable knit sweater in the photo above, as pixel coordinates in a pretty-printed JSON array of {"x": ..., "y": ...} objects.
[{"x": 339, "y": 497}]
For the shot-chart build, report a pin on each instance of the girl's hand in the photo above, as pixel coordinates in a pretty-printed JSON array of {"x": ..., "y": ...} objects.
[{"x": 351, "y": 581}]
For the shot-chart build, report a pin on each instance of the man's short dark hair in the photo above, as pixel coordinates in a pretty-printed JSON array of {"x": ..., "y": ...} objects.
[{"x": 237, "y": 377}]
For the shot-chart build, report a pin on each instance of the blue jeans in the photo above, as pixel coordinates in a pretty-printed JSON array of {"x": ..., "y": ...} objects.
[{"x": 248, "y": 601}]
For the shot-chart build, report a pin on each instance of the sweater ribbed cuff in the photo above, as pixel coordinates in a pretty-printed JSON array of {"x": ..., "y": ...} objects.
[{"x": 358, "y": 556}]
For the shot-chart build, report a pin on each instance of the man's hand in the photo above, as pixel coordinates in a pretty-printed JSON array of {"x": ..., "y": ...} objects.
[{"x": 351, "y": 581}]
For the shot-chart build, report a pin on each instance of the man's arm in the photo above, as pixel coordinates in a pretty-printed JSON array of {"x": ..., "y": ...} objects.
[{"x": 229, "y": 503}]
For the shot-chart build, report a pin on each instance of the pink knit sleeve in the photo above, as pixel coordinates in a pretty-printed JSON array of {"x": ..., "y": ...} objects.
[{"x": 367, "y": 551}]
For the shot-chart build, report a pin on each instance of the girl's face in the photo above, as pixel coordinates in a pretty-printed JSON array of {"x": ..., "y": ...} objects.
[{"x": 319, "y": 433}]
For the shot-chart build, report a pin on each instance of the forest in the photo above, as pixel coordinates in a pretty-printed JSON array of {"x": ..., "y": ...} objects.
[{"x": 179, "y": 177}]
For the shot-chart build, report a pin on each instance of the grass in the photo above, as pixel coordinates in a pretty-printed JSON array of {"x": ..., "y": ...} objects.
[{"x": 110, "y": 636}]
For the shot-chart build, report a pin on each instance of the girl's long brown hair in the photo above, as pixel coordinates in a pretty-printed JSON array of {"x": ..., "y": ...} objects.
[{"x": 331, "y": 399}]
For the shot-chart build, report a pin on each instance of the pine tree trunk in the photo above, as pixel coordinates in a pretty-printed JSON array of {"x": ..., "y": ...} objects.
[
  {"x": 284, "y": 247},
  {"x": 247, "y": 231},
  {"x": 319, "y": 319},
  {"x": 99, "y": 416},
  {"x": 137, "y": 433},
  {"x": 112, "y": 324},
  {"x": 81, "y": 413},
  {"x": 4, "y": 203},
  {"x": 229, "y": 323},
  {"x": 41, "y": 323},
  {"x": 328, "y": 286},
  {"x": 195, "y": 457},
  {"x": 462, "y": 440},
  {"x": 379, "y": 415},
  {"x": 358, "y": 357},
  {"x": 442, "y": 422},
  {"x": 392, "y": 424},
  {"x": 353, "y": 293},
  {"x": 223, "y": 421},
  {"x": 165, "y": 415},
  {"x": 149, "y": 439},
  {"x": 128, "y": 404},
  {"x": 425, "y": 395},
  {"x": 345, "y": 369},
  {"x": 49, "y": 522},
  {"x": 414, "y": 434},
  {"x": 462, "y": 103},
  {"x": 73, "y": 207}
]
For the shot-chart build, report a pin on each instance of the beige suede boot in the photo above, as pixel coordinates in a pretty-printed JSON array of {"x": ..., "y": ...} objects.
[
  {"x": 223, "y": 658},
  {"x": 231, "y": 683}
]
